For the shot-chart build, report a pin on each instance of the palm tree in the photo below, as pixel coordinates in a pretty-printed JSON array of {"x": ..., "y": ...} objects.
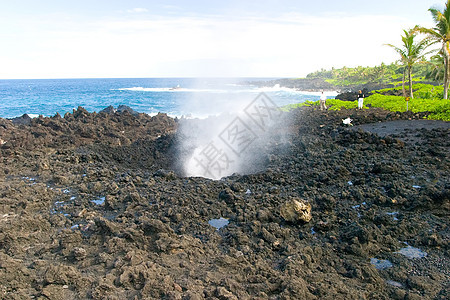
[
  {"x": 411, "y": 53},
  {"x": 437, "y": 70},
  {"x": 441, "y": 34}
]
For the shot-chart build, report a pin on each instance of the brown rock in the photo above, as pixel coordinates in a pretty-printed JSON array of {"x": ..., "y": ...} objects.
[{"x": 296, "y": 210}]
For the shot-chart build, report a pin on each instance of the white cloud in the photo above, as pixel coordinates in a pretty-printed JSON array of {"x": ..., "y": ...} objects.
[
  {"x": 137, "y": 10},
  {"x": 291, "y": 45}
]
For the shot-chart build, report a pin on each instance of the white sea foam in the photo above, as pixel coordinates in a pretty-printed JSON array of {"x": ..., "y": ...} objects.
[
  {"x": 243, "y": 89},
  {"x": 169, "y": 89},
  {"x": 278, "y": 88},
  {"x": 33, "y": 116}
]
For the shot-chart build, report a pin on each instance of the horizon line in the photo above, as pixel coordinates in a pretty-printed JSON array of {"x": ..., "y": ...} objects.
[{"x": 163, "y": 77}]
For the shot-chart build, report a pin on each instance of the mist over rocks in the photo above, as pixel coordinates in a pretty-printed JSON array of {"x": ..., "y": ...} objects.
[
  {"x": 92, "y": 205},
  {"x": 238, "y": 141}
]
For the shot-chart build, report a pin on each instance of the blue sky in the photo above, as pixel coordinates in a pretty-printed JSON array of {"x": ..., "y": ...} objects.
[{"x": 137, "y": 38}]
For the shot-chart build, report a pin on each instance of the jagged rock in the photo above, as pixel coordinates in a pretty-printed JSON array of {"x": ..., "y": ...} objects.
[
  {"x": 125, "y": 108},
  {"x": 109, "y": 110},
  {"x": 79, "y": 253},
  {"x": 296, "y": 210},
  {"x": 22, "y": 120}
]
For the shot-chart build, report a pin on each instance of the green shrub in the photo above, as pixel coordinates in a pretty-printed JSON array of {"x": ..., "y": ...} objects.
[
  {"x": 428, "y": 98},
  {"x": 335, "y": 104},
  {"x": 439, "y": 109},
  {"x": 420, "y": 90}
]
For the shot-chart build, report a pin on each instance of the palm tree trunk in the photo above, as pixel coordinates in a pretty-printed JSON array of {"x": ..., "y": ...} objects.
[
  {"x": 446, "y": 51},
  {"x": 410, "y": 83},
  {"x": 403, "y": 83}
]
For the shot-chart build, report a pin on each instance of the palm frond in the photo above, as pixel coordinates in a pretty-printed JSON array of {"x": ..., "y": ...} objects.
[{"x": 432, "y": 33}]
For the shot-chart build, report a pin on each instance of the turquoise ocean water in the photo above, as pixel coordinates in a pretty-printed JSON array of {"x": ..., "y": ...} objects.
[{"x": 174, "y": 96}]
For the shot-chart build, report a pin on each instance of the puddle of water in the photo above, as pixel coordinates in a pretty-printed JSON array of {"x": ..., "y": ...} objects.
[
  {"x": 31, "y": 180},
  {"x": 110, "y": 217},
  {"x": 380, "y": 264},
  {"x": 394, "y": 283},
  {"x": 359, "y": 205},
  {"x": 218, "y": 223},
  {"x": 99, "y": 201},
  {"x": 394, "y": 214},
  {"x": 57, "y": 208},
  {"x": 313, "y": 231},
  {"x": 412, "y": 252}
]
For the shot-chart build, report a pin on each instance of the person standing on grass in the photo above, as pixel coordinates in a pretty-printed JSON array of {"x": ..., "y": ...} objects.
[
  {"x": 360, "y": 99},
  {"x": 322, "y": 102}
]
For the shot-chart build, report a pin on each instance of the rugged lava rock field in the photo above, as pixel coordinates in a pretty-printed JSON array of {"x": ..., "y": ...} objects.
[{"x": 94, "y": 205}]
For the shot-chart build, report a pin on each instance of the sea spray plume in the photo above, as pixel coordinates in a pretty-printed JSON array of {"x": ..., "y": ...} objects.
[{"x": 233, "y": 142}]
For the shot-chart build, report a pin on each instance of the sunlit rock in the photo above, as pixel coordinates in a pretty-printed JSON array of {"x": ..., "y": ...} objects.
[{"x": 296, "y": 211}]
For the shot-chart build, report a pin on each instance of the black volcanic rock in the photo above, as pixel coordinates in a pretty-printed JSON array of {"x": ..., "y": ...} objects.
[
  {"x": 108, "y": 110},
  {"x": 120, "y": 109},
  {"x": 352, "y": 96},
  {"x": 125, "y": 108},
  {"x": 22, "y": 120},
  {"x": 91, "y": 208}
]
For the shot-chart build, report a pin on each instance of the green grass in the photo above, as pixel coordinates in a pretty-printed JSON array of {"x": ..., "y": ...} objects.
[
  {"x": 439, "y": 109},
  {"x": 336, "y": 104},
  {"x": 420, "y": 90},
  {"x": 428, "y": 98}
]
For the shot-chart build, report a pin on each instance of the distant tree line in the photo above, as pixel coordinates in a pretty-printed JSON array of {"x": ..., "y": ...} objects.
[
  {"x": 415, "y": 57},
  {"x": 382, "y": 74},
  {"x": 413, "y": 51}
]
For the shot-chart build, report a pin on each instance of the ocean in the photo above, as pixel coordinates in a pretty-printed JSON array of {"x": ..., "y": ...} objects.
[{"x": 174, "y": 96}]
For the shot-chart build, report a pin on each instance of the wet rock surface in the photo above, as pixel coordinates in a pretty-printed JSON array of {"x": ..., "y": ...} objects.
[{"x": 92, "y": 207}]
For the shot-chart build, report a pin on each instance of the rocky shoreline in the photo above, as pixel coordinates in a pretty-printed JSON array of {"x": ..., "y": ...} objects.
[
  {"x": 345, "y": 93},
  {"x": 319, "y": 84},
  {"x": 94, "y": 206}
]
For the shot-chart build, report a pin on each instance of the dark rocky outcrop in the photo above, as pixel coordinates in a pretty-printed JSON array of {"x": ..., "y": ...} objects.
[
  {"x": 92, "y": 208},
  {"x": 22, "y": 120},
  {"x": 352, "y": 96}
]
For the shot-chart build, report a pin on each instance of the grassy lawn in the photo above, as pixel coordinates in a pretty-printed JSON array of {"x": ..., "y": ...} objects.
[{"x": 428, "y": 98}]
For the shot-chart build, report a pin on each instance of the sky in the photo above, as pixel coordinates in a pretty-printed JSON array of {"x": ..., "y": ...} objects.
[{"x": 173, "y": 38}]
